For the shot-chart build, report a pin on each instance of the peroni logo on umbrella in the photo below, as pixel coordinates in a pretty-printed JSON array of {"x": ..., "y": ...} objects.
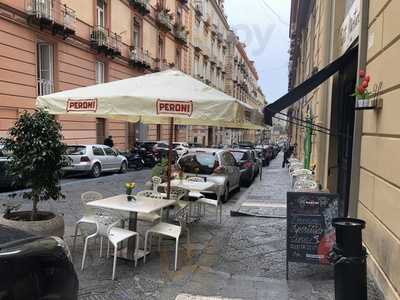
[{"x": 165, "y": 107}]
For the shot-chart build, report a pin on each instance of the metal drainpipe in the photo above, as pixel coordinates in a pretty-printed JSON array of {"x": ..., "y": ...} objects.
[{"x": 358, "y": 122}]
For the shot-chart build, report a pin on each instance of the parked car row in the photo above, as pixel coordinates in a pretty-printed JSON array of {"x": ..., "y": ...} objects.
[{"x": 228, "y": 168}]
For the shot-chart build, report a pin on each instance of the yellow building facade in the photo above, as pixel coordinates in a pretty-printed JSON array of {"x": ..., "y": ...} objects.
[{"x": 358, "y": 157}]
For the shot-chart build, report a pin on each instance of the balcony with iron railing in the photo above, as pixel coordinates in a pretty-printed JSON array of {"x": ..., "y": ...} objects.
[
  {"x": 51, "y": 15},
  {"x": 162, "y": 65},
  {"x": 200, "y": 77},
  {"x": 181, "y": 34},
  {"x": 213, "y": 59},
  {"x": 45, "y": 86},
  {"x": 140, "y": 58},
  {"x": 141, "y": 6},
  {"x": 197, "y": 45},
  {"x": 207, "y": 22},
  {"x": 214, "y": 29},
  {"x": 104, "y": 41},
  {"x": 220, "y": 37},
  {"x": 164, "y": 19},
  {"x": 199, "y": 8}
]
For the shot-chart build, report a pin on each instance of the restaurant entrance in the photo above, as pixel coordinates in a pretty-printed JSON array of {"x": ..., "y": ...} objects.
[{"x": 343, "y": 112}]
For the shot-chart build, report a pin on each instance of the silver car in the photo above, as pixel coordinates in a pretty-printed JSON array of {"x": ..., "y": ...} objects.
[
  {"x": 215, "y": 165},
  {"x": 95, "y": 159}
]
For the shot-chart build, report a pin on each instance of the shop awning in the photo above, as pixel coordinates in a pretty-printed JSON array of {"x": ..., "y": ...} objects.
[{"x": 307, "y": 86}]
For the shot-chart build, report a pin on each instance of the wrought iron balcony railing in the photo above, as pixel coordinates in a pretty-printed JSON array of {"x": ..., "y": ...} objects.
[
  {"x": 164, "y": 19},
  {"x": 199, "y": 8},
  {"x": 162, "y": 65},
  {"x": 181, "y": 33},
  {"x": 197, "y": 45},
  {"x": 140, "y": 58},
  {"x": 99, "y": 37},
  {"x": 141, "y": 6},
  {"x": 105, "y": 42},
  {"x": 115, "y": 43},
  {"x": 52, "y": 15}
]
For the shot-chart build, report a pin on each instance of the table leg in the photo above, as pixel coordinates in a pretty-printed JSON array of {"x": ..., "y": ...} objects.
[{"x": 132, "y": 226}]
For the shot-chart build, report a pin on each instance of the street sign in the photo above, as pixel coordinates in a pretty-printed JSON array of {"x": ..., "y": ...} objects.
[{"x": 310, "y": 234}]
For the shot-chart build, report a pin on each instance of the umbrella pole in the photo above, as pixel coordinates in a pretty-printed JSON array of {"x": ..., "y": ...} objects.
[{"x": 169, "y": 171}]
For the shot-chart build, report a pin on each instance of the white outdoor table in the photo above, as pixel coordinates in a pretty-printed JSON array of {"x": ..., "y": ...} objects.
[
  {"x": 141, "y": 205},
  {"x": 195, "y": 186}
]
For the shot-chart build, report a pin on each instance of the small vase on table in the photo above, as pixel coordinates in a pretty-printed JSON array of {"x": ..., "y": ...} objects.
[{"x": 129, "y": 188}]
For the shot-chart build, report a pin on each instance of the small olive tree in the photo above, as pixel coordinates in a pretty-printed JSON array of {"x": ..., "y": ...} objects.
[{"x": 37, "y": 155}]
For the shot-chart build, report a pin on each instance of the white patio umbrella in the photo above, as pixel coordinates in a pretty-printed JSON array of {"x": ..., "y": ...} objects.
[{"x": 169, "y": 97}]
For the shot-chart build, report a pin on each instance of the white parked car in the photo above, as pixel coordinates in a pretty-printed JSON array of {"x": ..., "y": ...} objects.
[
  {"x": 215, "y": 165},
  {"x": 180, "y": 148},
  {"x": 94, "y": 160}
]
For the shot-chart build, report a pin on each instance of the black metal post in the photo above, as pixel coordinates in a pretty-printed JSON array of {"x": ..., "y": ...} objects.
[{"x": 349, "y": 258}]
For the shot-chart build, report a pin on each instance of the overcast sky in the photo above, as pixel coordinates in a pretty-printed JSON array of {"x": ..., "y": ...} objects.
[{"x": 263, "y": 25}]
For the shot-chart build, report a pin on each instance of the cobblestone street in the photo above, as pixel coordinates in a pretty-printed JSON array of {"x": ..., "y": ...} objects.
[{"x": 242, "y": 258}]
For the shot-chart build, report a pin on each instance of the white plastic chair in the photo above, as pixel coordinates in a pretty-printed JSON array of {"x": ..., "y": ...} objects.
[
  {"x": 212, "y": 202},
  {"x": 115, "y": 235},
  {"x": 195, "y": 194},
  {"x": 149, "y": 217},
  {"x": 305, "y": 186},
  {"x": 295, "y": 166},
  {"x": 170, "y": 230},
  {"x": 301, "y": 174},
  {"x": 90, "y": 215},
  {"x": 156, "y": 183}
]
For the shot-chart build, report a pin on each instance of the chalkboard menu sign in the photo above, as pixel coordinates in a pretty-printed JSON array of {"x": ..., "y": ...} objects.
[{"x": 310, "y": 234}]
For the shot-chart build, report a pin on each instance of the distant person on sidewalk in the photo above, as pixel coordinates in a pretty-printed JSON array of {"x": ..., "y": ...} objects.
[
  {"x": 109, "y": 141},
  {"x": 287, "y": 153}
]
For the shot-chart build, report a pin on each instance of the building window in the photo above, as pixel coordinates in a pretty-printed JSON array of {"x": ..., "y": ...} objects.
[
  {"x": 178, "y": 59},
  {"x": 100, "y": 130},
  {"x": 100, "y": 10},
  {"x": 196, "y": 66},
  {"x": 45, "y": 68},
  {"x": 136, "y": 36},
  {"x": 179, "y": 14},
  {"x": 160, "y": 48},
  {"x": 99, "y": 72}
]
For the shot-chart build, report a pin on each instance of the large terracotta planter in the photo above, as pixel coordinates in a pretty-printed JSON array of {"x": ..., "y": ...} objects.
[{"x": 52, "y": 225}]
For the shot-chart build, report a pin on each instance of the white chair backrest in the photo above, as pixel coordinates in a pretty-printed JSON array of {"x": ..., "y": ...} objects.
[
  {"x": 182, "y": 216},
  {"x": 156, "y": 183},
  {"x": 306, "y": 186},
  {"x": 177, "y": 193},
  {"x": 104, "y": 225},
  {"x": 298, "y": 172},
  {"x": 296, "y": 165},
  {"x": 149, "y": 194},
  {"x": 88, "y": 197}
]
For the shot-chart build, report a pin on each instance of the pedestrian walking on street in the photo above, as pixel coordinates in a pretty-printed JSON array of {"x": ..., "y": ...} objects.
[
  {"x": 287, "y": 153},
  {"x": 109, "y": 141}
]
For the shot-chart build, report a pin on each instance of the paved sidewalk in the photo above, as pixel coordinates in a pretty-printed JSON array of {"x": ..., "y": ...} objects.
[{"x": 242, "y": 258}]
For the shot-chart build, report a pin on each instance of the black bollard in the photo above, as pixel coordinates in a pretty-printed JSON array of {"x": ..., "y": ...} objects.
[{"x": 349, "y": 258}]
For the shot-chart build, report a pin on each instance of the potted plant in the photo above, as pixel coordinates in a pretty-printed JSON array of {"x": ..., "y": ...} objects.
[
  {"x": 37, "y": 156},
  {"x": 160, "y": 169},
  {"x": 362, "y": 94},
  {"x": 129, "y": 186}
]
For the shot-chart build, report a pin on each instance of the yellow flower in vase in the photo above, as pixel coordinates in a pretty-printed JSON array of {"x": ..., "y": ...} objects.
[{"x": 129, "y": 187}]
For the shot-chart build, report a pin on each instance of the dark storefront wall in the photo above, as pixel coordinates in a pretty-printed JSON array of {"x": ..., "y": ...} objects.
[{"x": 342, "y": 123}]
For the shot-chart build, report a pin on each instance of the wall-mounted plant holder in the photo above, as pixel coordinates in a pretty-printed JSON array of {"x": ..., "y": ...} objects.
[{"x": 366, "y": 104}]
